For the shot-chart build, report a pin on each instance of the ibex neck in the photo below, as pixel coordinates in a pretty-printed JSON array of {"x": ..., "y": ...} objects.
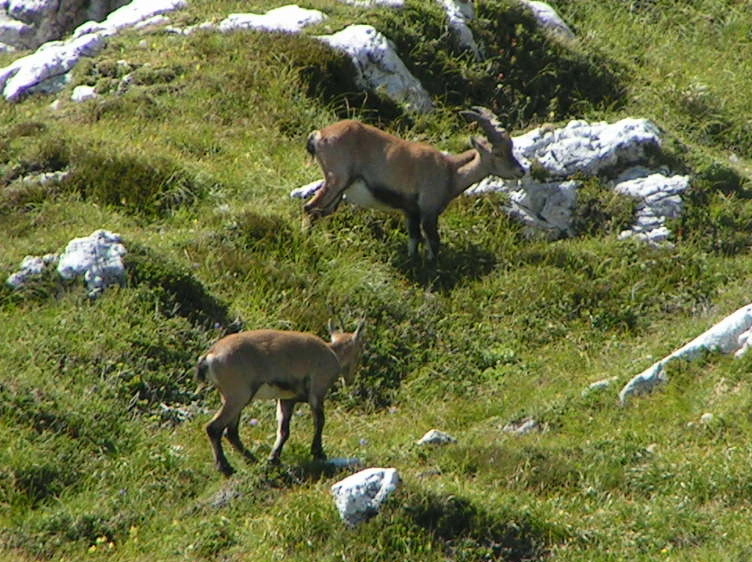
[{"x": 469, "y": 169}]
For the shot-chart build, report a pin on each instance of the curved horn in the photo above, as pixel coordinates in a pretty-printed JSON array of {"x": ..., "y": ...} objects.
[
  {"x": 488, "y": 122},
  {"x": 361, "y": 325}
]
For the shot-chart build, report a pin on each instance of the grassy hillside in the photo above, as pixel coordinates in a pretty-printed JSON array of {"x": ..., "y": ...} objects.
[{"x": 104, "y": 455}]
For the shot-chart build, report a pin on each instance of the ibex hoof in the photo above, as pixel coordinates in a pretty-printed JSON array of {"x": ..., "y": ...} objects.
[{"x": 226, "y": 469}]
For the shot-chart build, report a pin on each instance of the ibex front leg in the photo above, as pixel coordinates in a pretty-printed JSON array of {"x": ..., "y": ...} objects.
[
  {"x": 413, "y": 231},
  {"x": 430, "y": 224},
  {"x": 317, "y": 410}
]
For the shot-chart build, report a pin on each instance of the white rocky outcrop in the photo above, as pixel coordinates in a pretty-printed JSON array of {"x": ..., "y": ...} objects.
[
  {"x": 360, "y": 496},
  {"x": 31, "y": 266},
  {"x": 524, "y": 427},
  {"x": 47, "y": 69},
  {"x": 599, "y": 386},
  {"x": 129, "y": 15},
  {"x": 14, "y": 33},
  {"x": 545, "y": 207},
  {"x": 549, "y": 19},
  {"x": 27, "y": 24},
  {"x": 291, "y": 19},
  {"x": 587, "y": 148},
  {"x": 459, "y": 14},
  {"x": 83, "y": 93},
  {"x": 591, "y": 149},
  {"x": 379, "y": 67},
  {"x": 659, "y": 196},
  {"x": 97, "y": 259},
  {"x": 733, "y": 334}
]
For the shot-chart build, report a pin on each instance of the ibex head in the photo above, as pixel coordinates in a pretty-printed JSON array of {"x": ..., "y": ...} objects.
[
  {"x": 348, "y": 348},
  {"x": 498, "y": 149}
]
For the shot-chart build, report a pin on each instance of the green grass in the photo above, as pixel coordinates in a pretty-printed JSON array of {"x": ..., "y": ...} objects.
[{"x": 193, "y": 164}]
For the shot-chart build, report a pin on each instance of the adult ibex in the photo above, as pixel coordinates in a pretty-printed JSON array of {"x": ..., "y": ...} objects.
[
  {"x": 288, "y": 366},
  {"x": 372, "y": 168}
]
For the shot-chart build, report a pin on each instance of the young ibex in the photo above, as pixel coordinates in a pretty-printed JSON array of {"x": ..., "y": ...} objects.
[
  {"x": 288, "y": 366},
  {"x": 371, "y": 168}
]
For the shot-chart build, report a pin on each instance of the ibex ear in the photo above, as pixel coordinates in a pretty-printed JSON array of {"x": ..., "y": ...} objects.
[
  {"x": 333, "y": 328},
  {"x": 479, "y": 143}
]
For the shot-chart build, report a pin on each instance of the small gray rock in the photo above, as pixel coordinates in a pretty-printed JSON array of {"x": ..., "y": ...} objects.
[
  {"x": 359, "y": 497},
  {"x": 436, "y": 437}
]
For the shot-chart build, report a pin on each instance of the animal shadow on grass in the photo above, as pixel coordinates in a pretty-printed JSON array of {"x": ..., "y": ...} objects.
[
  {"x": 289, "y": 475},
  {"x": 265, "y": 480},
  {"x": 453, "y": 265},
  {"x": 383, "y": 235}
]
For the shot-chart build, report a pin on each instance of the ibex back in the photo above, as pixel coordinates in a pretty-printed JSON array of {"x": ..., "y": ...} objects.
[
  {"x": 372, "y": 168},
  {"x": 288, "y": 366}
]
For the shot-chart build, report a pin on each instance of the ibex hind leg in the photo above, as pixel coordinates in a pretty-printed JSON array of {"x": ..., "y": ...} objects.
[
  {"x": 214, "y": 430},
  {"x": 227, "y": 415}
]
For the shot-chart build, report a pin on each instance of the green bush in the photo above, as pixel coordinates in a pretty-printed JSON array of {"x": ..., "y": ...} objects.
[
  {"x": 138, "y": 183},
  {"x": 523, "y": 76},
  {"x": 601, "y": 210},
  {"x": 469, "y": 532},
  {"x": 176, "y": 290},
  {"x": 717, "y": 216}
]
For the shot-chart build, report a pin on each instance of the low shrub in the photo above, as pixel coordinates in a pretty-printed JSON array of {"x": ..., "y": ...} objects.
[
  {"x": 601, "y": 211},
  {"x": 140, "y": 184},
  {"x": 469, "y": 532},
  {"x": 176, "y": 290},
  {"x": 523, "y": 75}
]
